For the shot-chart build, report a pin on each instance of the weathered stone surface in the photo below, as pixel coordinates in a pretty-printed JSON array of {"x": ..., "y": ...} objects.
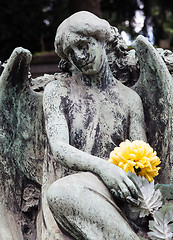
[
  {"x": 155, "y": 88},
  {"x": 86, "y": 115},
  {"x": 21, "y": 145},
  {"x": 167, "y": 57},
  {"x": 38, "y": 84},
  {"x": 87, "y": 111}
]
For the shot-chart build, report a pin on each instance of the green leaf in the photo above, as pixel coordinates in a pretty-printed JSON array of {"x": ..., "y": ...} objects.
[
  {"x": 149, "y": 198},
  {"x": 162, "y": 226}
]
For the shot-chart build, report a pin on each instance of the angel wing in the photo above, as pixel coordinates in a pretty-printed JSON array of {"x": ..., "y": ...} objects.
[
  {"x": 21, "y": 118},
  {"x": 21, "y": 143},
  {"x": 155, "y": 87}
]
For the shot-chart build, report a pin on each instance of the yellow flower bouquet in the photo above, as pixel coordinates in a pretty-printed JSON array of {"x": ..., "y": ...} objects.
[{"x": 138, "y": 157}]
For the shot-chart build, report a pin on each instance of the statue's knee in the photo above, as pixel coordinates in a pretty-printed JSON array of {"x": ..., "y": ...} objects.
[
  {"x": 65, "y": 194},
  {"x": 55, "y": 194},
  {"x": 59, "y": 195}
]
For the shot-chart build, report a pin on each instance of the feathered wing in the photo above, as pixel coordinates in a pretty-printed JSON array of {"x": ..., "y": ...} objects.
[
  {"x": 155, "y": 87},
  {"x": 21, "y": 145},
  {"x": 21, "y": 120}
]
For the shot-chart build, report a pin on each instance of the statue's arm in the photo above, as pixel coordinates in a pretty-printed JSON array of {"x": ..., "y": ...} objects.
[
  {"x": 137, "y": 123},
  {"x": 58, "y": 135}
]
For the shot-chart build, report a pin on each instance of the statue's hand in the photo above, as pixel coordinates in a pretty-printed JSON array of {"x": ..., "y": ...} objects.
[{"x": 118, "y": 182}]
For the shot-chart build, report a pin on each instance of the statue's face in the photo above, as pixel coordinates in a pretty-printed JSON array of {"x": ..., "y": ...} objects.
[{"x": 86, "y": 53}]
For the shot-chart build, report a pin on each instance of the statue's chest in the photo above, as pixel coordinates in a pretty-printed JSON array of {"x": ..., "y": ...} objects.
[{"x": 97, "y": 122}]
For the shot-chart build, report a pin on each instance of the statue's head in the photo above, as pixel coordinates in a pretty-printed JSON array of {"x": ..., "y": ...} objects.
[{"x": 80, "y": 39}]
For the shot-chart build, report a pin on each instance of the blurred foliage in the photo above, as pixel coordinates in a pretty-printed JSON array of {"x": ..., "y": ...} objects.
[
  {"x": 117, "y": 12},
  {"x": 55, "y": 13},
  {"x": 159, "y": 13},
  {"x": 21, "y": 24},
  {"x": 32, "y": 24}
]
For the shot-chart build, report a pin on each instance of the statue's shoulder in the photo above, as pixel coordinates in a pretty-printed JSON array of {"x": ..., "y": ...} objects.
[
  {"x": 127, "y": 96},
  {"x": 125, "y": 91},
  {"x": 58, "y": 87}
]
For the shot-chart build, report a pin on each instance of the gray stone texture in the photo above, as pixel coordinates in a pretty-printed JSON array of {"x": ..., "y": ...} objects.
[{"x": 56, "y": 133}]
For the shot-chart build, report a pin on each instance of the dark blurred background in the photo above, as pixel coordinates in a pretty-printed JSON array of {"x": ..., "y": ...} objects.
[{"x": 32, "y": 24}]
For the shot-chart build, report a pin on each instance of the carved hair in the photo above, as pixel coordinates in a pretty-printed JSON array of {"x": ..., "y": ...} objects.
[{"x": 85, "y": 24}]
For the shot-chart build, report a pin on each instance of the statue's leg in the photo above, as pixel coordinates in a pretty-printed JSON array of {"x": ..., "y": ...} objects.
[{"x": 83, "y": 208}]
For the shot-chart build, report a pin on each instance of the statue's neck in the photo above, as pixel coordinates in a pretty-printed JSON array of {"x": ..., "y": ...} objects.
[{"x": 102, "y": 79}]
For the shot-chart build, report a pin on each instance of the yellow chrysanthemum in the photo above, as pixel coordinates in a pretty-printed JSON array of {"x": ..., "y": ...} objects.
[{"x": 138, "y": 157}]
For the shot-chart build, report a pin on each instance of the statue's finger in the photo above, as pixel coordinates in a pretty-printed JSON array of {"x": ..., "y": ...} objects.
[
  {"x": 132, "y": 188},
  {"x": 124, "y": 190}
]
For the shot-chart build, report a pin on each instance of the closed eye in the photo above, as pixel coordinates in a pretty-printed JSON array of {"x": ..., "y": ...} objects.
[{"x": 83, "y": 45}]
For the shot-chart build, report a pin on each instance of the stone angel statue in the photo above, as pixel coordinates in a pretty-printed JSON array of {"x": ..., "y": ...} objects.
[{"x": 60, "y": 140}]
